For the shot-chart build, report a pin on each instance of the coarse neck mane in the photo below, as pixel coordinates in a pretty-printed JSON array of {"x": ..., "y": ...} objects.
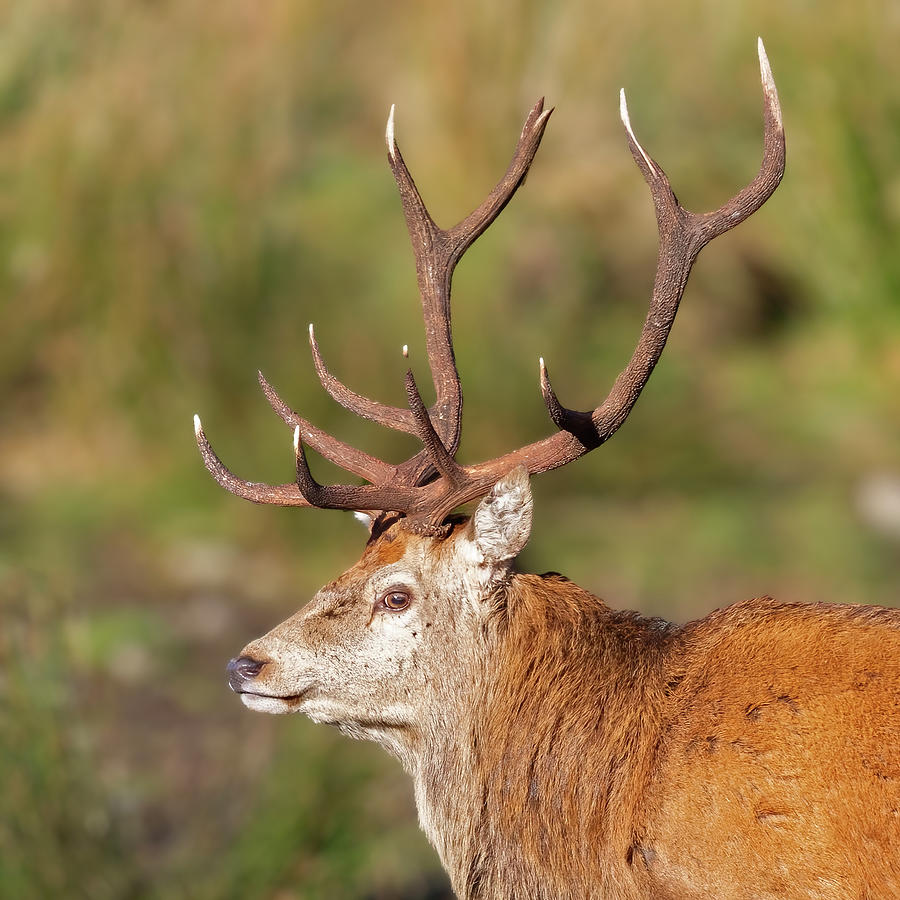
[{"x": 563, "y": 726}]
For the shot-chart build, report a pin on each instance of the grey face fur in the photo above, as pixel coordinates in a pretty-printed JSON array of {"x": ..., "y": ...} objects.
[{"x": 384, "y": 649}]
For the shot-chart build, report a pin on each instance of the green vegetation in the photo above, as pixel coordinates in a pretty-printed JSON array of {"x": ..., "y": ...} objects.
[{"x": 183, "y": 186}]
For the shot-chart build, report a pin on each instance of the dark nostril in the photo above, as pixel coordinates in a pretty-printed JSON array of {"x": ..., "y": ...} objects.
[{"x": 242, "y": 669}]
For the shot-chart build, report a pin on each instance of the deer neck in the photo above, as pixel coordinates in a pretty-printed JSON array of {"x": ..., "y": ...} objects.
[{"x": 540, "y": 768}]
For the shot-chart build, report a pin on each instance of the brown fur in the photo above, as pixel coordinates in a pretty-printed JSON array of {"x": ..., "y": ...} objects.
[{"x": 755, "y": 753}]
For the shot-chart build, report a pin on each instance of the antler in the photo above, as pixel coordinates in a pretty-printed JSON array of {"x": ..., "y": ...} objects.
[{"x": 412, "y": 488}]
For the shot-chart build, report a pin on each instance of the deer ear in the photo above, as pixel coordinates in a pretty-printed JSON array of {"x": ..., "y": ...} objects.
[{"x": 502, "y": 522}]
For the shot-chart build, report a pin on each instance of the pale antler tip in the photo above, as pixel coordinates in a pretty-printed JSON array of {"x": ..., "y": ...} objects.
[
  {"x": 626, "y": 121},
  {"x": 623, "y": 115},
  {"x": 768, "y": 81},
  {"x": 544, "y": 376},
  {"x": 541, "y": 363},
  {"x": 389, "y": 132},
  {"x": 198, "y": 428},
  {"x": 765, "y": 70},
  {"x": 405, "y": 351},
  {"x": 296, "y": 439},
  {"x": 312, "y": 333}
]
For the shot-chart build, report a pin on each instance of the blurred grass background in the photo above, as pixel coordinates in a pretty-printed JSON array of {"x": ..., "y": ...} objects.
[{"x": 183, "y": 186}]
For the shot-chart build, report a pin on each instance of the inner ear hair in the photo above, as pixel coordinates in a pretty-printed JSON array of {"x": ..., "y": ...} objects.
[
  {"x": 502, "y": 521},
  {"x": 365, "y": 518}
]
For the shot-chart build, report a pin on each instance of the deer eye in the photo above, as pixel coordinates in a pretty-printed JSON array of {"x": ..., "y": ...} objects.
[{"x": 394, "y": 599}]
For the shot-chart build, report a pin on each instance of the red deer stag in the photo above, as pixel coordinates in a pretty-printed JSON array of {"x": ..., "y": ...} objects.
[{"x": 559, "y": 748}]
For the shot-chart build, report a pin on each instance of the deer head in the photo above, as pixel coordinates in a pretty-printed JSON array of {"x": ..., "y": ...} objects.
[
  {"x": 390, "y": 648},
  {"x": 402, "y": 637}
]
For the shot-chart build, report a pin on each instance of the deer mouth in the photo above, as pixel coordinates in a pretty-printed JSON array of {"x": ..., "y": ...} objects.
[{"x": 275, "y": 703}]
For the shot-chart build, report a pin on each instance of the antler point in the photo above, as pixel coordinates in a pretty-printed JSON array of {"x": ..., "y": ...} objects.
[
  {"x": 623, "y": 115},
  {"x": 626, "y": 121},
  {"x": 765, "y": 70},
  {"x": 198, "y": 427},
  {"x": 389, "y": 133},
  {"x": 768, "y": 81}
]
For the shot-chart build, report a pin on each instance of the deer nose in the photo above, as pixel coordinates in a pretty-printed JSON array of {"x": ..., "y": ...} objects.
[{"x": 240, "y": 670}]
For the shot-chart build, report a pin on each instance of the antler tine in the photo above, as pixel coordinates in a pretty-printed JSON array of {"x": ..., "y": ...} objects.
[
  {"x": 474, "y": 225},
  {"x": 349, "y": 458},
  {"x": 437, "y": 251},
  {"x": 752, "y": 197},
  {"x": 381, "y": 413},
  {"x": 564, "y": 419},
  {"x": 361, "y": 497},
  {"x": 312, "y": 491},
  {"x": 278, "y": 495},
  {"x": 438, "y": 454}
]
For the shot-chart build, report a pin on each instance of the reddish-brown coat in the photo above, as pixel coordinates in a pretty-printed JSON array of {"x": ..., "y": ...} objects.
[{"x": 754, "y": 753}]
